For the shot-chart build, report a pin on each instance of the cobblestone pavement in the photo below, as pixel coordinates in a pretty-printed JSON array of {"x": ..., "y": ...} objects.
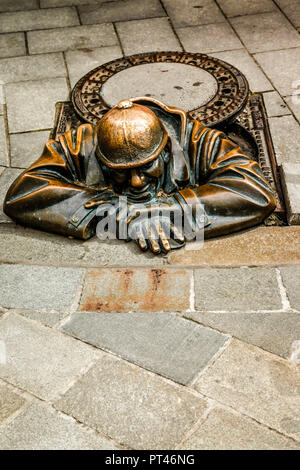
[{"x": 104, "y": 347}]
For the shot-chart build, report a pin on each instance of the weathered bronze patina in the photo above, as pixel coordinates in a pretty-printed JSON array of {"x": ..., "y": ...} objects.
[{"x": 154, "y": 154}]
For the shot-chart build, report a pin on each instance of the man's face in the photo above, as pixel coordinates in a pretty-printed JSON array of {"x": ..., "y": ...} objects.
[{"x": 141, "y": 183}]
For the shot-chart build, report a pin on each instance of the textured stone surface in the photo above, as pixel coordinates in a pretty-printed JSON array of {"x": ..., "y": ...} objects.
[
  {"x": 37, "y": 19},
  {"x": 6, "y": 179},
  {"x": 12, "y": 44},
  {"x": 40, "y": 360},
  {"x": 45, "y": 317},
  {"x": 209, "y": 38},
  {"x": 244, "y": 62},
  {"x": 185, "y": 13},
  {"x": 81, "y": 62},
  {"x": 121, "y": 10},
  {"x": 21, "y": 245},
  {"x": 285, "y": 135},
  {"x": 274, "y": 332},
  {"x": 257, "y": 384},
  {"x": 58, "y": 3},
  {"x": 236, "y": 289},
  {"x": 14, "y": 5},
  {"x": 26, "y": 148},
  {"x": 294, "y": 101},
  {"x": 38, "y": 110},
  {"x": 132, "y": 406},
  {"x": 42, "y": 428},
  {"x": 291, "y": 187},
  {"x": 275, "y": 106},
  {"x": 257, "y": 32},
  {"x": 35, "y": 287},
  {"x": 246, "y": 7},
  {"x": 291, "y": 281},
  {"x": 179, "y": 85},
  {"x": 224, "y": 430},
  {"x": 80, "y": 37},
  {"x": 121, "y": 290},
  {"x": 292, "y": 10},
  {"x": 163, "y": 343},
  {"x": 283, "y": 68},
  {"x": 19, "y": 69},
  {"x": 140, "y": 36},
  {"x": 3, "y": 144},
  {"x": 10, "y": 402}
]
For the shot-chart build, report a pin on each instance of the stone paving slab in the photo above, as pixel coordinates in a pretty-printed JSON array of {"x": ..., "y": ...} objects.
[
  {"x": 275, "y": 106},
  {"x": 139, "y": 36},
  {"x": 37, "y": 19},
  {"x": 291, "y": 281},
  {"x": 256, "y": 383},
  {"x": 257, "y": 32},
  {"x": 290, "y": 173},
  {"x": 285, "y": 134},
  {"x": 45, "y": 317},
  {"x": 226, "y": 430},
  {"x": 162, "y": 343},
  {"x": 14, "y": 5},
  {"x": 236, "y": 289},
  {"x": 12, "y": 44},
  {"x": 10, "y": 402},
  {"x": 38, "y": 287},
  {"x": 292, "y": 10},
  {"x": 4, "y": 156},
  {"x": 122, "y": 10},
  {"x": 38, "y": 110},
  {"x": 6, "y": 179},
  {"x": 186, "y": 13},
  {"x": 209, "y": 38},
  {"x": 58, "y": 3},
  {"x": 42, "y": 428},
  {"x": 294, "y": 102},
  {"x": 40, "y": 360},
  {"x": 124, "y": 290},
  {"x": 233, "y": 8},
  {"x": 26, "y": 148},
  {"x": 80, "y": 37},
  {"x": 276, "y": 332},
  {"x": 132, "y": 406}
]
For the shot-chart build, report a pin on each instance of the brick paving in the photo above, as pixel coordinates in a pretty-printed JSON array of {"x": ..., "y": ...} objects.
[{"x": 105, "y": 347}]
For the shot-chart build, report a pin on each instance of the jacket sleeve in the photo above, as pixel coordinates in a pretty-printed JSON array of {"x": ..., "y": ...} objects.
[
  {"x": 50, "y": 195},
  {"x": 230, "y": 186}
]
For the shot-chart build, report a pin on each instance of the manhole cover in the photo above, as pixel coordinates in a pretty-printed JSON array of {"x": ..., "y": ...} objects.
[{"x": 209, "y": 89}]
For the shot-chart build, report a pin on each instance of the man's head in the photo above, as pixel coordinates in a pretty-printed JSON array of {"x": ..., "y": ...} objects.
[{"x": 133, "y": 146}]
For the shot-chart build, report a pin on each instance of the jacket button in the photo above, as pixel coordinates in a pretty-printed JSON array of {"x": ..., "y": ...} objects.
[{"x": 75, "y": 219}]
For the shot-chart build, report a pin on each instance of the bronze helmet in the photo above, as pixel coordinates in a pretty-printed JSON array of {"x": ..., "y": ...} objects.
[{"x": 129, "y": 135}]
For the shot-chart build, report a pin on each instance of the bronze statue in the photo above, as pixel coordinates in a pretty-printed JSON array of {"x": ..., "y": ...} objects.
[{"x": 152, "y": 154}]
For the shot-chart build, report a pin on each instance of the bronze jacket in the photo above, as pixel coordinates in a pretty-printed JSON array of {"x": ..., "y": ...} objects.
[{"x": 50, "y": 195}]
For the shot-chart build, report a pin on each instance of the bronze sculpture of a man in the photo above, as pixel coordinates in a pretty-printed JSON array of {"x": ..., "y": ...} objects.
[{"x": 152, "y": 154}]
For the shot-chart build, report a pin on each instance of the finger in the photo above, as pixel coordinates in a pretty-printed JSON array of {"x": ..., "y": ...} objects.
[
  {"x": 94, "y": 203},
  {"x": 152, "y": 237},
  {"x": 177, "y": 234},
  {"x": 140, "y": 238},
  {"x": 163, "y": 240}
]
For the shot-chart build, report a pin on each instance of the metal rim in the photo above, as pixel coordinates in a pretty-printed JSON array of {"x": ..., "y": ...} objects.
[{"x": 229, "y": 100}]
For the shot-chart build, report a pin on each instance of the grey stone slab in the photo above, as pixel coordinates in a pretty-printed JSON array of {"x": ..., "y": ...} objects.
[
  {"x": 80, "y": 37},
  {"x": 12, "y": 44},
  {"x": 20, "y": 245},
  {"x": 275, "y": 332},
  {"x": 186, "y": 13},
  {"x": 209, "y": 38},
  {"x": 7, "y": 177},
  {"x": 258, "y": 32},
  {"x": 14, "y": 5},
  {"x": 292, "y": 10},
  {"x": 40, "y": 360},
  {"x": 291, "y": 280},
  {"x": 236, "y": 289},
  {"x": 37, "y": 19},
  {"x": 240, "y": 58},
  {"x": 19, "y": 69},
  {"x": 132, "y": 406},
  {"x": 256, "y": 383},
  {"x": 37, "y": 111},
  {"x": 10, "y": 402},
  {"x": 35, "y": 287},
  {"x": 285, "y": 135},
  {"x": 122, "y": 10},
  {"x": 2, "y": 168},
  {"x": 275, "y": 106},
  {"x": 227, "y": 430},
  {"x": 63, "y": 3},
  {"x": 44, "y": 317},
  {"x": 294, "y": 102},
  {"x": 163, "y": 343},
  {"x": 27, "y": 147},
  {"x": 283, "y": 69},
  {"x": 4, "y": 157},
  {"x": 139, "y": 36},
  {"x": 290, "y": 182},
  {"x": 246, "y": 7},
  {"x": 42, "y": 428},
  {"x": 81, "y": 62}
]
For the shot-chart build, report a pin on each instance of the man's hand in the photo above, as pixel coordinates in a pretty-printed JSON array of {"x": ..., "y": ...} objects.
[{"x": 107, "y": 195}]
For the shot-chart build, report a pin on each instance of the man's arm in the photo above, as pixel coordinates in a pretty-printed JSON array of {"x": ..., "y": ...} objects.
[{"x": 50, "y": 194}]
